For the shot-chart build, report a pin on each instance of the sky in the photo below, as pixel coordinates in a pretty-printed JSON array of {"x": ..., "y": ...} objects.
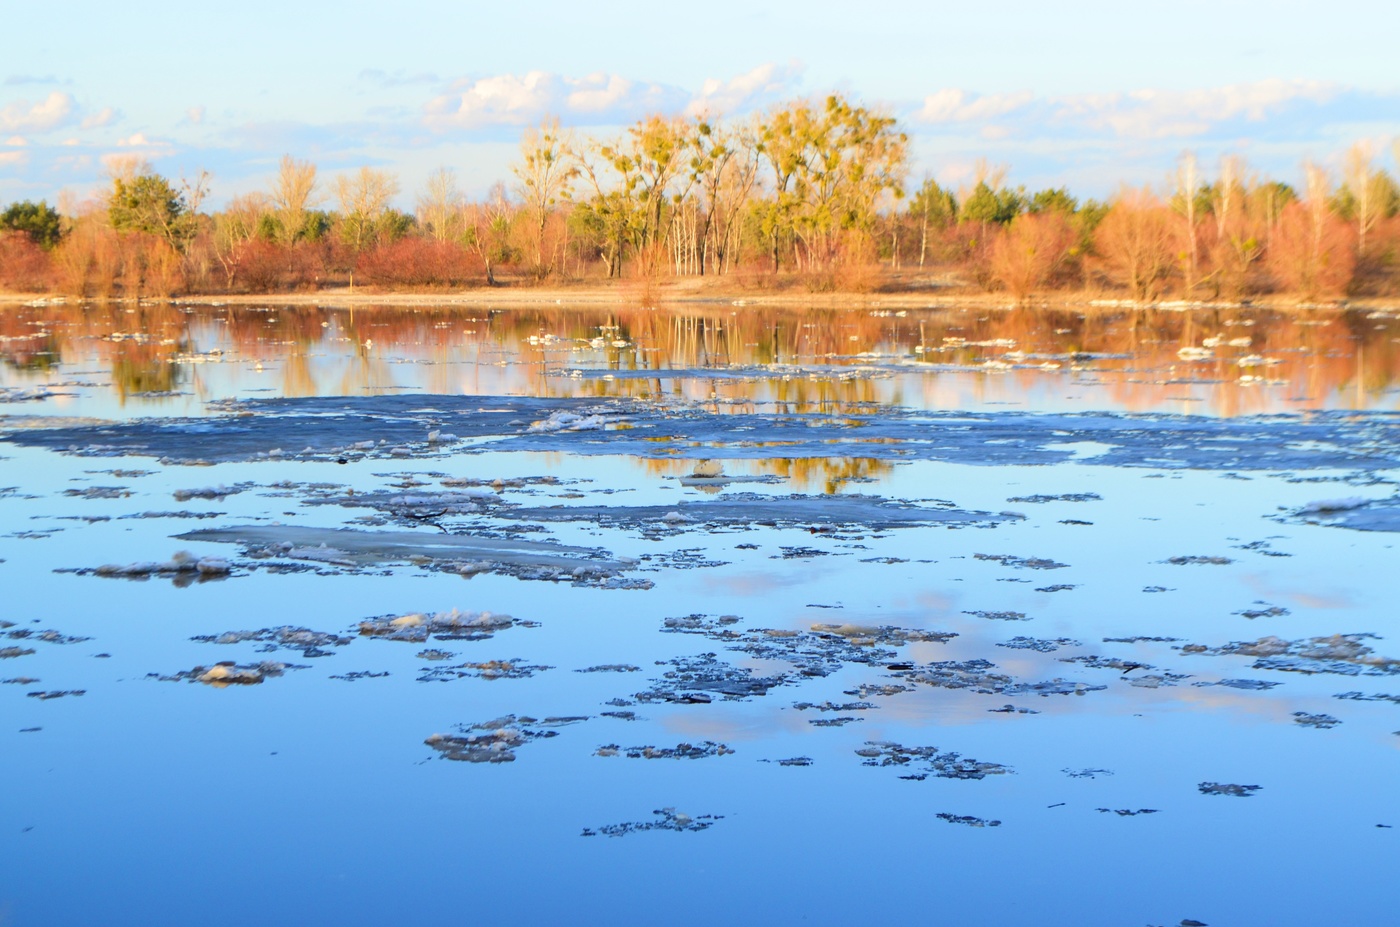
[{"x": 1081, "y": 93}]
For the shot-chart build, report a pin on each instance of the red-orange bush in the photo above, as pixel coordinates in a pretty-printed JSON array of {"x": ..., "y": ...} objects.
[
  {"x": 24, "y": 266},
  {"x": 1312, "y": 252},
  {"x": 411, "y": 262}
]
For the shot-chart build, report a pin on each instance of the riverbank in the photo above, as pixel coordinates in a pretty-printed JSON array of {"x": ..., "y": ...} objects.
[{"x": 637, "y": 294}]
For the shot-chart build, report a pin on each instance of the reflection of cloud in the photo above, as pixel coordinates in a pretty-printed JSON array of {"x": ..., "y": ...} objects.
[
  {"x": 49, "y": 113},
  {"x": 1263, "y": 586},
  {"x": 751, "y": 583}
]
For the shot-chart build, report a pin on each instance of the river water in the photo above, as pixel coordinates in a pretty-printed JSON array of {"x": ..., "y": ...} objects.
[{"x": 963, "y": 616}]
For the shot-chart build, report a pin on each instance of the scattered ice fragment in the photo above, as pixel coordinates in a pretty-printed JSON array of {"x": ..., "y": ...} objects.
[
  {"x": 1325, "y": 722},
  {"x": 666, "y": 819},
  {"x": 967, "y": 819},
  {"x": 1223, "y": 788}
]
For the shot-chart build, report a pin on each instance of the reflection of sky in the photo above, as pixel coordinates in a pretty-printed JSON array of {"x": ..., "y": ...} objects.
[{"x": 316, "y": 798}]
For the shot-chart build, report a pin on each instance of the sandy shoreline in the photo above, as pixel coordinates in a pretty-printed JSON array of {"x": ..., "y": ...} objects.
[{"x": 633, "y": 296}]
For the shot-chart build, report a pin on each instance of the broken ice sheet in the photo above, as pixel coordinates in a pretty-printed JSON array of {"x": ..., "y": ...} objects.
[
  {"x": 310, "y": 643},
  {"x": 945, "y": 765},
  {"x": 514, "y": 668},
  {"x": 966, "y": 819},
  {"x": 681, "y": 751},
  {"x": 1341, "y": 654},
  {"x": 466, "y": 554},
  {"x": 225, "y": 674},
  {"x": 450, "y": 625},
  {"x": 666, "y": 819},
  {"x": 497, "y": 740},
  {"x": 1227, "y": 788}
]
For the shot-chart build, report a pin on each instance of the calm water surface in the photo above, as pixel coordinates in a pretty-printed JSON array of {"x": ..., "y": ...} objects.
[{"x": 907, "y": 494}]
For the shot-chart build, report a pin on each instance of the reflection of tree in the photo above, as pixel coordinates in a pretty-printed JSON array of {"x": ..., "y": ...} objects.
[
  {"x": 142, "y": 368},
  {"x": 831, "y": 474},
  {"x": 1333, "y": 359}
]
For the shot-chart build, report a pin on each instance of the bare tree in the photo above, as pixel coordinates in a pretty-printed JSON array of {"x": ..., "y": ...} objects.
[
  {"x": 441, "y": 207},
  {"x": 293, "y": 194},
  {"x": 1366, "y": 187},
  {"x": 364, "y": 201},
  {"x": 1188, "y": 179}
]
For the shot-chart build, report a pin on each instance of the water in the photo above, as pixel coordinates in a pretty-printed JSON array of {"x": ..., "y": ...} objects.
[{"x": 879, "y": 456}]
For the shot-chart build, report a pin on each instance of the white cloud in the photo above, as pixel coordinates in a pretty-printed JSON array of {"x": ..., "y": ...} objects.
[
  {"x": 102, "y": 117},
  {"x": 194, "y": 115},
  {"x": 51, "y": 112},
  {"x": 764, "y": 84},
  {"x": 16, "y": 141},
  {"x": 14, "y": 158},
  {"x": 597, "y": 99},
  {"x": 1139, "y": 114},
  {"x": 952, "y": 105},
  {"x": 517, "y": 100}
]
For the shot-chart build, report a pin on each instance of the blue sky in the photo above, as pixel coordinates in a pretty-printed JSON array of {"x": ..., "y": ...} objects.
[{"x": 1088, "y": 94}]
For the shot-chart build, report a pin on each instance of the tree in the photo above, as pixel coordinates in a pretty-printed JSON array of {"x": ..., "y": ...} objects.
[
  {"x": 832, "y": 167},
  {"x": 1311, "y": 250},
  {"x": 39, "y": 221},
  {"x": 544, "y": 178},
  {"x": 1366, "y": 188},
  {"x": 293, "y": 195},
  {"x": 1137, "y": 244},
  {"x": 441, "y": 207},
  {"x": 364, "y": 206},
  {"x": 490, "y": 229},
  {"x": 932, "y": 207},
  {"x": 1052, "y": 199},
  {"x": 143, "y": 201},
  {"x": 1031, "y": 250},
  {"x": 1188, "y": 180}
]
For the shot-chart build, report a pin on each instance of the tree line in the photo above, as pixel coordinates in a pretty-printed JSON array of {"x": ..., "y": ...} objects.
[{"x": 811, "y": 194}]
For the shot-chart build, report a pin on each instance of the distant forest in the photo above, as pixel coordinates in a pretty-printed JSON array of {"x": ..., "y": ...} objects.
[{"x": 811, "y": 195}]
